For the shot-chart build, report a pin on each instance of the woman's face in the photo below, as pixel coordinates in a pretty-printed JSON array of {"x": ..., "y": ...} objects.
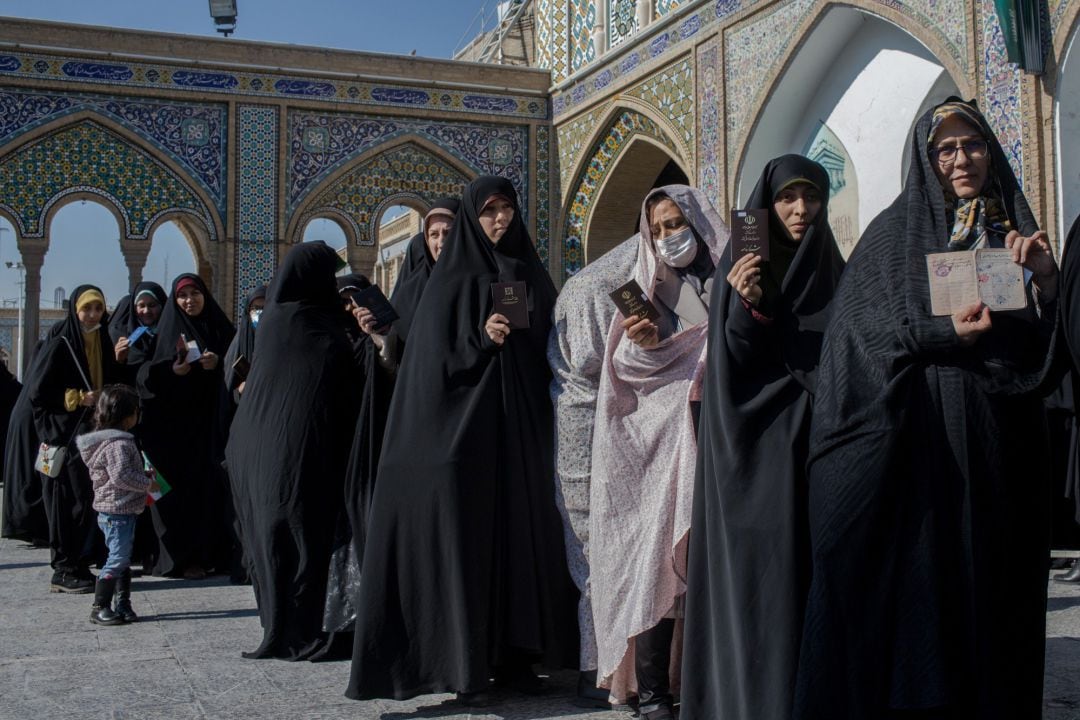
[
  {"x": 148, "y": 310},
  {"x": 960, "y": 158},
  {"x": 797, "y": 205},
  {"x": 191, "y": 300},
  {"x": 438, "y": 227},
  {"x": 495, "y": 218},
  {"x": 665, "y": 219},
  {"x": 90, "y": 314}
]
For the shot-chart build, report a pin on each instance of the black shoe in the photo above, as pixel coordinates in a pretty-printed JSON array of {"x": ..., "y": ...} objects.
[
  {"x": 477, "y": 698},
  {"x": 66, "y": 582},
  {"x": 522, "y": 679},
  {"x": 588, "y": 694},
  {"x": 123, "y": 598},
  {"x": 1072, "y": 576},
  {"x": 664, "y": 712},
  {"x": 102, "y": 613}
]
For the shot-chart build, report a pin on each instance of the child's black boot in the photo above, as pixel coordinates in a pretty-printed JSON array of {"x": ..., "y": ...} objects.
[
  {"x": 102, "y": 613},
  {"x": 123, "y": 598}
]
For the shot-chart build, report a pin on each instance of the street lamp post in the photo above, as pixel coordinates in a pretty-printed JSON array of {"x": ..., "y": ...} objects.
[{"x": 22, "y": 302}]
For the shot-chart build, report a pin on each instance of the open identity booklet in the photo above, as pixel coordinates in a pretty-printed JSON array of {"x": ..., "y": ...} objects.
[{"x": 968, "y": 276}]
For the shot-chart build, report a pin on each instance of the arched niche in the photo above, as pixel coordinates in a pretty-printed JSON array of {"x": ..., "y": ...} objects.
[
  {"x": 173, "y": 251},
  {"x": 406, "y": 171},
  {"x": 865, "y": 81},
  {"x": 624, "y": 129},
  {"x": 1067, "y": 135},
  {"x": 643, "y": 165},
  {"x": 397, "y": 224},
  {"x": 84, "y": 249}
]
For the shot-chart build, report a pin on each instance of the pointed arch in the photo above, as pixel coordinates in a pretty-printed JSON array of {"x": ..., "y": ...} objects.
[
  {"x": 626, "y": 123},
  {"x": 319, "y": 200},
  {"x": 924, "y": 36},
  {"x": 408, "y": 169}
]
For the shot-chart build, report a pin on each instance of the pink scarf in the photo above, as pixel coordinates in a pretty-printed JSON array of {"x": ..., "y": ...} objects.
[{"x": 644, "y": 456}]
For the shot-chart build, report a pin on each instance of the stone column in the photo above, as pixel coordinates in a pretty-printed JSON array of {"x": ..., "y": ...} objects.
[
  {"x": 644, "y": 13},
  {"x": 600, "y": 30},
  {"x": 33, "y": 257},
  {"x": 135, "y": 253}
]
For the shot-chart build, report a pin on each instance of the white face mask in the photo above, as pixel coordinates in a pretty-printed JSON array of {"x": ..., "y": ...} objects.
[
  {"x": 679, "y": 249},
  {"x": 254, "y": 316}
]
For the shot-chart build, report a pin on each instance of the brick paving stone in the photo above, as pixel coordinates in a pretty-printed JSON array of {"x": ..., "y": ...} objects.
[{"x": 182, "y": 660}]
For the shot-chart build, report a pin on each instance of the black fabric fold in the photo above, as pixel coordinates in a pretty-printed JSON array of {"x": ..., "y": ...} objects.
[
  {"x": 464, "y": 568},
  {"x": 288, "y": 448},
  {"x": 928, "y": 483},
  {"x": 749, "y": 557},
  {"x": 183, "y": 436}
]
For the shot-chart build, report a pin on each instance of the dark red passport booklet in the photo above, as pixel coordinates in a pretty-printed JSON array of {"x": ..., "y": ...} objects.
[
  {"x": 749, "y": 233},
  {"x": 632, "y": 300}
]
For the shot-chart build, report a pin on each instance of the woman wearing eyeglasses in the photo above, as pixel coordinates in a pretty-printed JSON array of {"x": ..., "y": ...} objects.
[{"x": 928, "y": 470}]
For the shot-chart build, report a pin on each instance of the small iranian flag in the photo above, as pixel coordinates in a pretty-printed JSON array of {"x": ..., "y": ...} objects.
[{"x": 163, "y": 487}]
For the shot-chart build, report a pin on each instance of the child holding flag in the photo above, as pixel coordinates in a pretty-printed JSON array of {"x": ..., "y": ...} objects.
[{"x": 121, "y": 484}]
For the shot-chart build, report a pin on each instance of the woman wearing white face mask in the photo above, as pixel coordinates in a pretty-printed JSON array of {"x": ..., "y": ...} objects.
[
  {"x": 243, "y": 344},
  {"x": 645, "y": 449}
]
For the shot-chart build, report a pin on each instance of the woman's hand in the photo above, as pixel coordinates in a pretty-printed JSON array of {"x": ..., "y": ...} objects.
[
  {"x": 643, "y": 333},
  {"x": 180, "y": 367},
  {"x": 89, "y": 399},
  {"x": 121, "y": 350},
  {"x": 1035, "y": 254},
  {"x": 497, "y": 328},
  {"x": 745, "y": 277},
  {"x": 970, "y": 322},
  {"x": 208, "y": 360},
  {"x": 240, "y": 387},
  {"x": 365, "y": 319}
]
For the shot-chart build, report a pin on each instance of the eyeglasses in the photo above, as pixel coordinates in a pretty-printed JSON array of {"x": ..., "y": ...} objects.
[{"x": 946, "y": 154}]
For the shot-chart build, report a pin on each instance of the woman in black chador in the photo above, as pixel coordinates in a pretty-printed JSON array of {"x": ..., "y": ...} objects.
[
  {"x": 929, "y": 465},
  {"x": 182, "y": 431},
  {"x": 464, "y": 573},
  {"x": 137, "y": 316},
  {"x": 23, "y": 514},
  {"x": 71, "y": 368},
  {"x": 288, "y": 448},
  {"x": 749, "y": 547}
]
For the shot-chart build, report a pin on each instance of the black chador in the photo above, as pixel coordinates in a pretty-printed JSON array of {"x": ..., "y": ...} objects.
[
  {"x": 125, "y": 321},
  {"x": 464, "y": 572},
  {"x": 749, "y": 545},
  {"x": 288, "y": 449},
  {"x": 928, "y": 475},
  {"x": 24, "y": 514},
  {"x": 70, "y": 362},
  {"x": 183, "y": 436}
]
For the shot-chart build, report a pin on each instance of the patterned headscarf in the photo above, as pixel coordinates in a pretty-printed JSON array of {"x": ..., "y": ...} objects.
[{"x": 972, "y": 216}]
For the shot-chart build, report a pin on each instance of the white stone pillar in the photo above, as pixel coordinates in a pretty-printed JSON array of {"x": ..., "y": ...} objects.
[
  {"x": 644, "y": 13},
  {"x": 600, "y": 30}
]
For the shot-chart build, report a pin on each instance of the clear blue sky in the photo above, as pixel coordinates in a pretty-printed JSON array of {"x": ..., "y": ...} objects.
[{"x": 84, "y": 236}]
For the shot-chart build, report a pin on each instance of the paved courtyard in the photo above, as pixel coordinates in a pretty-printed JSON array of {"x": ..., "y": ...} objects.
[{"x": 182, "y": 660}]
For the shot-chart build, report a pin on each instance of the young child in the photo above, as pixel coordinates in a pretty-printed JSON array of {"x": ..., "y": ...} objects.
[{"x": 121, "y": 484}]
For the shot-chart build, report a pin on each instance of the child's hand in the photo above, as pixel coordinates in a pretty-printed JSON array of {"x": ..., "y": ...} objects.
[{"x": 154, "y": 488}]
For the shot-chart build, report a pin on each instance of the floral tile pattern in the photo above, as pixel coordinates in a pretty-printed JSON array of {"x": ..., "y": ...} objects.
[
  {"x": 87, "y": 157},
  {"x": 604, "y": 152}
]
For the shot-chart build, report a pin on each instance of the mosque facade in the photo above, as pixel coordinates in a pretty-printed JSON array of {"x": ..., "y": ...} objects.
[{"x": 242, "y": 144}]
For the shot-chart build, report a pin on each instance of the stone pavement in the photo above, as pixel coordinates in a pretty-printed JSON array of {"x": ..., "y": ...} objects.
[{"x": 182, "y": 660}]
